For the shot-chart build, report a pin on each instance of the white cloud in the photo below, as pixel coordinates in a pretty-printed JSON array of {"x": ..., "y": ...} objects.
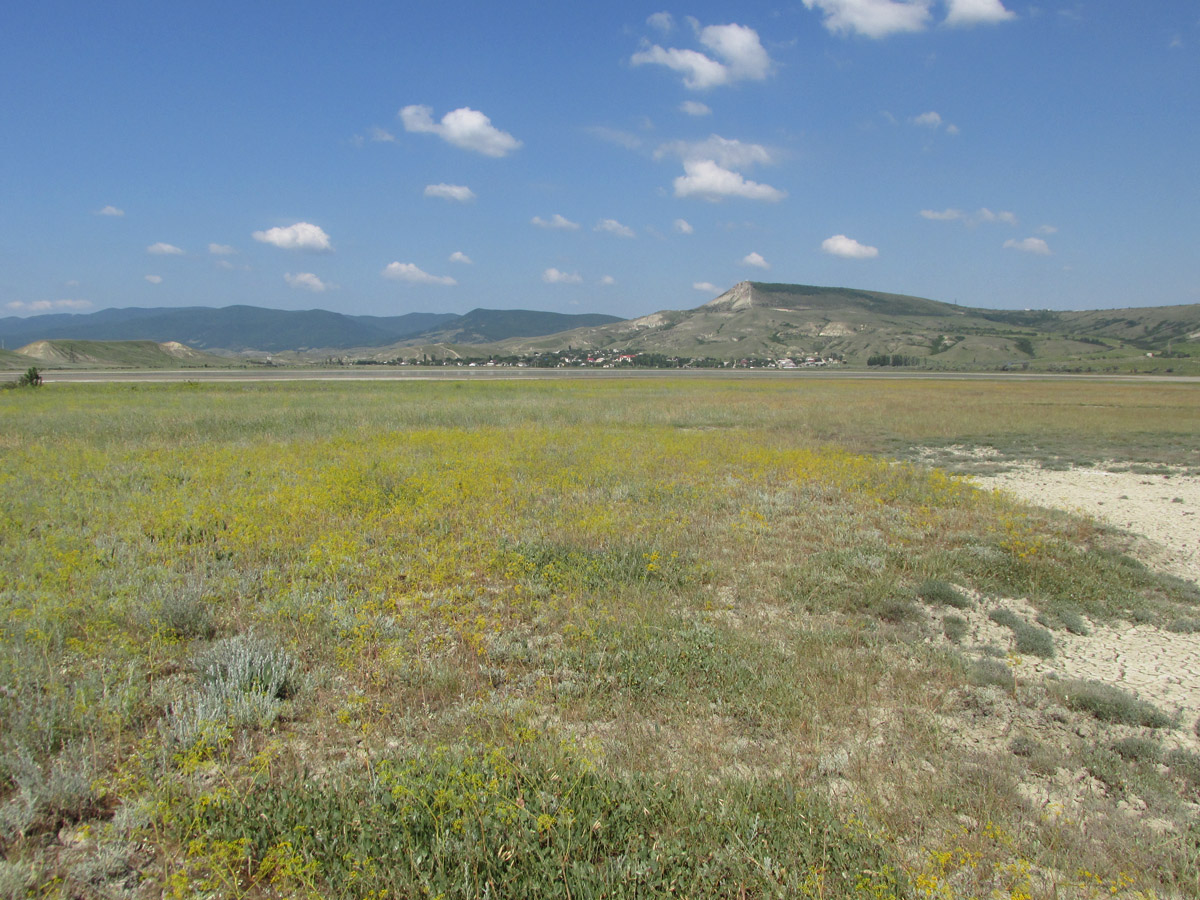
[
  {"x": 307, "y": 281},
  {"x": 410, "y": 272},
  {"x": 1046, "y": 229},
  {"x": 608, "y": 280},
  {"x": 873, "y": 18},
  {"x": 612, "y": 226},
  {"x": 47, "y": 305},
  {"x": 554, "y": 276},
  {"x": 221, "y": 250},
  {"x": 952, "y": 129},
  {"x": 707, "y": 286},
  {"x": 928, "y": 120},
  {"x": 382, "y": 136},
  {"x": 465, "y": 127},
  {"x": 154, "y": 279},
  {"x": 683, "y": 226},
  {"x": 459, "y": 257},
  {"x": 556, "y": 221},
  {"x": 946, "y": 215},
  {"x": 695, "y": 108},
  {"x": 458, "y": 192},
  {"x": 739, "y": 47},
  {"x": 980, "y": 216},
  {"x": 1029, "y": 245},
  {"x": 977, "y": 12},
  {"x": 756, "y": 260},
  {"x": 698, "y": 70},
  {"x": 840, "y": 245},
  {"x": 704, "y": 178},
  {"x": 161, "y": 249},
  {"x": 110, "y": 211},
  {"x": 301, "y": 236},
  {"x": 726, "y": 152},
  {"x": 663, "y": 21}
]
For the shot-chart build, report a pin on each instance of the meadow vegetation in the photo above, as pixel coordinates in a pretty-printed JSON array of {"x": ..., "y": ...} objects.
[{"x": 616, "y": 638}]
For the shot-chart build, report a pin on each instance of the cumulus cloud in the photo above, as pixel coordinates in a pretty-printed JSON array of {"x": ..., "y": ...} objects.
[
  {"x": 963, "y": 13},
  {"x": 465, "y": 127},
  {"x": 459, "y": 257},
  {"x": 872, "y": 18},
  {"x": 46, "y": 305},
  {"x": 221, "y": 250},
  {"x": 409, "y": 272},
  {"x": 707, "y": 286},
  {"x": 1046, "y": 229},
  {"x": 612, "y": 226},
  {"x": 979, "y": 217},
  {"x": 699, "y": 72},
  {"x": 728, "y": 153},
  {"x": 683, "y": 226},
  {"x": 554, "y": 276},
  {"x": 555, "y": 221},
  {"x": 382, "y": 136},
  {"x": 704, "y": 178},
  {"x": 301, "y": 236},
  {"x": 741, "y": 49},
  {"x": 756, "y": 260},
  {"x": 163, "y": 249},
  {"x": 840, "y": 245},
  {"x": 458, "y": 192},
  {"x": 695, "y": 108},
  {"x": 154, "y": 279},
  {"x": 608, "y": 280},
  {"x": 1029, "y": 245},
  {"x": 307, "y": 281},
  {"x": 928, "y": 120},
  {"x": 110, "y": 211},
  {"x": 737, "y": 45}
]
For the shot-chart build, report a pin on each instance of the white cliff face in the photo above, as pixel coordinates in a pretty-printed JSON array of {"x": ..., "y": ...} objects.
[{"x": 740, "y": 296}]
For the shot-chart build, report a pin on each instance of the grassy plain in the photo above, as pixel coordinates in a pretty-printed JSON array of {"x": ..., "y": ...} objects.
[{"x": 567, "y": 638}]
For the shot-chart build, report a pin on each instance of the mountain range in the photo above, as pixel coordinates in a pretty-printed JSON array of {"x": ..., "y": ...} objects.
[{"x": 752, "y": 320}]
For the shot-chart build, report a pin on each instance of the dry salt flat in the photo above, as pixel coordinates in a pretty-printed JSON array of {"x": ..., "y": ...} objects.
[{"x": 1160, "y": 666}]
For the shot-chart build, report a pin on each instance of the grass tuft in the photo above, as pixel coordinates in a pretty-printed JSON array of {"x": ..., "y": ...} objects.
[{"x": 941, "y": 593}]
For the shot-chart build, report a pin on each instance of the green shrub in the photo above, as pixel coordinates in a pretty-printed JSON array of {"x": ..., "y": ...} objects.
[
  {"x": 49, "y": 795},
  {"x": 1006, "y": 617},
  {"x": 1110, "y": 704},
  {"x": 31, "y": 377},
  {"x": 244, "y": 681},
  {"x": 1184, "y": 625},
  {"x": 955, "y": 628},
  {"x": 1029, "y": 639},
  {"x": 899, "y": 612},
  {"x": 1184, "y": 764},
  {"x": 1138, "y": 749},
  {"x": 1073, "y": 622},
  {"x": 995, "y": 672},
  {"x": 941, "y": 593}
]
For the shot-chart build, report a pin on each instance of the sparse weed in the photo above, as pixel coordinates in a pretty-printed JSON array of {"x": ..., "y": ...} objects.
[
  {"x": 955, "y": 628},
  {"x": 1138, "y": 749},
  {"x": 991, "y": 672}
]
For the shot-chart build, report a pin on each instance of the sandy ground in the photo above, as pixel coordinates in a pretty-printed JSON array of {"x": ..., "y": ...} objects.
[
  {"x": 1164, "y": 509},
  {"x": 1160, "y": 666}
]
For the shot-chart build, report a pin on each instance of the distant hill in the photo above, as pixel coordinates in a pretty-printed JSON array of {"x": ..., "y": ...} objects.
[
  {"x": 118, "y": 354},
  {"x": 10, "y": 359},
  {"x": 242, "y": 328},
  {"x": 772, "y": 321},
  {"x": 752, "y": 320}
]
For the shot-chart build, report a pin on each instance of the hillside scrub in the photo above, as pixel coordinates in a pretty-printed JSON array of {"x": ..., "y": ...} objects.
[{"x": 616, "y": 638}]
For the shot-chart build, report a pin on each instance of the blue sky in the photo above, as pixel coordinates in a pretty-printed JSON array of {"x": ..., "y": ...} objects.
[{"x": 389, "y": 158}]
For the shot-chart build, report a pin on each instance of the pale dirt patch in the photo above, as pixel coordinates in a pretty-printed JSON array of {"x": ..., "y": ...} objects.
[
  {"x": 1163, "y": 509},
  {"x": 1159, "y": 666}
]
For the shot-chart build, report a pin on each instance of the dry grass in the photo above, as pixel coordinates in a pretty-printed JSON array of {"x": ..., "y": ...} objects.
[{"x": 683, "y": 597}]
